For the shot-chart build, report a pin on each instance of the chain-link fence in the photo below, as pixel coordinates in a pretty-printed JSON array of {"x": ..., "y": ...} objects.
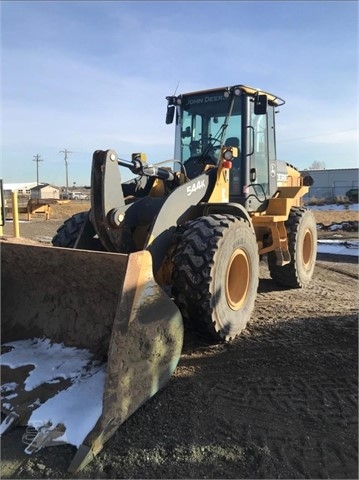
[{"x": 329, "y": 194}]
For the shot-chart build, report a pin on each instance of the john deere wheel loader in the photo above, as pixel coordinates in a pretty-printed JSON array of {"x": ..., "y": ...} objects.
[{"x": 176, "y": 244}]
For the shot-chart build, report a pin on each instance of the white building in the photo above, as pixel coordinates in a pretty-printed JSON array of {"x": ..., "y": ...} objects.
[
  {"x": 331, "y": 183},
  {"x": 32, "y": 190},
  {"x": 45, "y": 192},
  {"x": 23, "y": 188}
]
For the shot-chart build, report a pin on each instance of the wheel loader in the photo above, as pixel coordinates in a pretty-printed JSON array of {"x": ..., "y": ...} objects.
[{"x": 93, "y": 324}]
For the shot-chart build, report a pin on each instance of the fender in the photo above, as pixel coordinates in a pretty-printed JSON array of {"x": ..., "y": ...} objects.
[
  {"x": 178, "y": 206},
  {"x": 235, "y": 209}
]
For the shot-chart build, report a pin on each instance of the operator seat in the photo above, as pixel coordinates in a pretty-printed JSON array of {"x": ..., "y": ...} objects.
[{"x": 234, "y": 142}]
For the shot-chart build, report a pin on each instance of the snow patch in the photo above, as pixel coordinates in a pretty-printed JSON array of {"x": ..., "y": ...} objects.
[
  {"x": 79, "y": 406},
  {"x": 339, "y": 247},
  {"x": 352, "y": 207},
  {"x": 50, "y": 360}
]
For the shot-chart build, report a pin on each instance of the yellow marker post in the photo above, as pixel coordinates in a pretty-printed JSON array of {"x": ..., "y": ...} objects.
[
  {"x": 2, "y": 209},
  {"x": 15, "y": 214}
]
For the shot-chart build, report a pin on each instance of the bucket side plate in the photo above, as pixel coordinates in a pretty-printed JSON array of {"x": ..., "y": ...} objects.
[{"x": 145, "y": 347}]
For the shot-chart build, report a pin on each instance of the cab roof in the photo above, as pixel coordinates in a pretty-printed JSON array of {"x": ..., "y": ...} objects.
[{"x": 273, "y": 99}]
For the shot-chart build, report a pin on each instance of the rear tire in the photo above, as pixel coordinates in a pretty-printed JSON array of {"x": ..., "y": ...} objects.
[
  {"x": 67, "y": 234},
  {"x": 302, "y": 243},
  {"x": 215, "y": 275}
]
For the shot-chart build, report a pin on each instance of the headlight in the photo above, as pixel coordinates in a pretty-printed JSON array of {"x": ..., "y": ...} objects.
[{"x": 227, "y": 154}]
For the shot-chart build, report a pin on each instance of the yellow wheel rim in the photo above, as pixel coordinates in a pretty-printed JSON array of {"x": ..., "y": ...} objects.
[
  {"x": 237, "y": 279},
  {"x": 307, "y": 247}
]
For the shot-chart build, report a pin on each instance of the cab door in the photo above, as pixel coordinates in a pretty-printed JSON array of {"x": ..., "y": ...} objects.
[{"x": 261, "y": 158}]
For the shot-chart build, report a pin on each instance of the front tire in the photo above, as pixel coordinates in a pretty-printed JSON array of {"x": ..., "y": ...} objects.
[
  {"x": 67, "y": 234},
  {"x": 215, "y": 275},
  {"x": 302, "y": 243}
]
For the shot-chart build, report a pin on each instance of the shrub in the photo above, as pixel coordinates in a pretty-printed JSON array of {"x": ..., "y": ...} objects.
[{"x": 316, "y": 201}]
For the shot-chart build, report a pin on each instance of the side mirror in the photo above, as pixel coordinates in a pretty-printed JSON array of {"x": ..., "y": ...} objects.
[
  {"x": 186, "y": 133},
  {"x": 170, "y": 114},
  {"x": 260, "y": 104}
]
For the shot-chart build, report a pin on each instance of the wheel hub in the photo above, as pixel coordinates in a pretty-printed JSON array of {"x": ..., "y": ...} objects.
[
  {"x": 237, "y": 279},
  {"x": 307, "y": 247}
]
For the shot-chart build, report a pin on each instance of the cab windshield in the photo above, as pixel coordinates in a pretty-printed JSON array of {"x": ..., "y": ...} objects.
[{"x": 207, "y": 122}]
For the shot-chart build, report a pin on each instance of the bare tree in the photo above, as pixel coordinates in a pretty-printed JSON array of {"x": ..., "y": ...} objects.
[{"x": 317, "y": 165}]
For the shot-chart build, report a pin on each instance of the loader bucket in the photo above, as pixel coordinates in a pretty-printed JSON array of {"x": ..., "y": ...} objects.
[{"x": 87, "y": 338}]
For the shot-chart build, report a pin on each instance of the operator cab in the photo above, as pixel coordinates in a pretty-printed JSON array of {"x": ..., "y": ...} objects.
[{"x": 239, "y": 116}]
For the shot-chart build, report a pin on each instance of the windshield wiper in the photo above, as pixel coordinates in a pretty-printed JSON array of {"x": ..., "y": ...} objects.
[{"x": 219, "y": 135}]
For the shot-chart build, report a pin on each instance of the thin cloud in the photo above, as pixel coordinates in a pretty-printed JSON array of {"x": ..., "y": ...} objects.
[{"x": 84, "y": 75}]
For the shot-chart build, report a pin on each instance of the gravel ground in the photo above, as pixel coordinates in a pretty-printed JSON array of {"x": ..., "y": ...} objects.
[{"x": 278, "y": 402}]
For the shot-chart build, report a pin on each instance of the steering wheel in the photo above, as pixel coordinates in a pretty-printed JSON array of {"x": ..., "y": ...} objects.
[{"x": 211, "y": 141}]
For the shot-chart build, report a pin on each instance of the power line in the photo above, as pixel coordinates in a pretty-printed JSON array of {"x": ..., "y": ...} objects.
[
  {"x": 37, "y": 159},
  {"x": 66, "y": 152}
]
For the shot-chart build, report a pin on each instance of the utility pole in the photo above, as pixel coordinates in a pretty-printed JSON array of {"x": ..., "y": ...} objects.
[
  {"x": 66, "y": 152},
  {"x": 37, "y": 159}
]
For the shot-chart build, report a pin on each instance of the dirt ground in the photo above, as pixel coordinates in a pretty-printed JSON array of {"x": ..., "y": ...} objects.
[
  {"x": 278, "y": 402},
  {"x": 39, "y": 227}
]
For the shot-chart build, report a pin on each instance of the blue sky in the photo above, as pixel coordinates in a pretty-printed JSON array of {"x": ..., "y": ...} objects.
[{"x": 94, "y": 75}]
